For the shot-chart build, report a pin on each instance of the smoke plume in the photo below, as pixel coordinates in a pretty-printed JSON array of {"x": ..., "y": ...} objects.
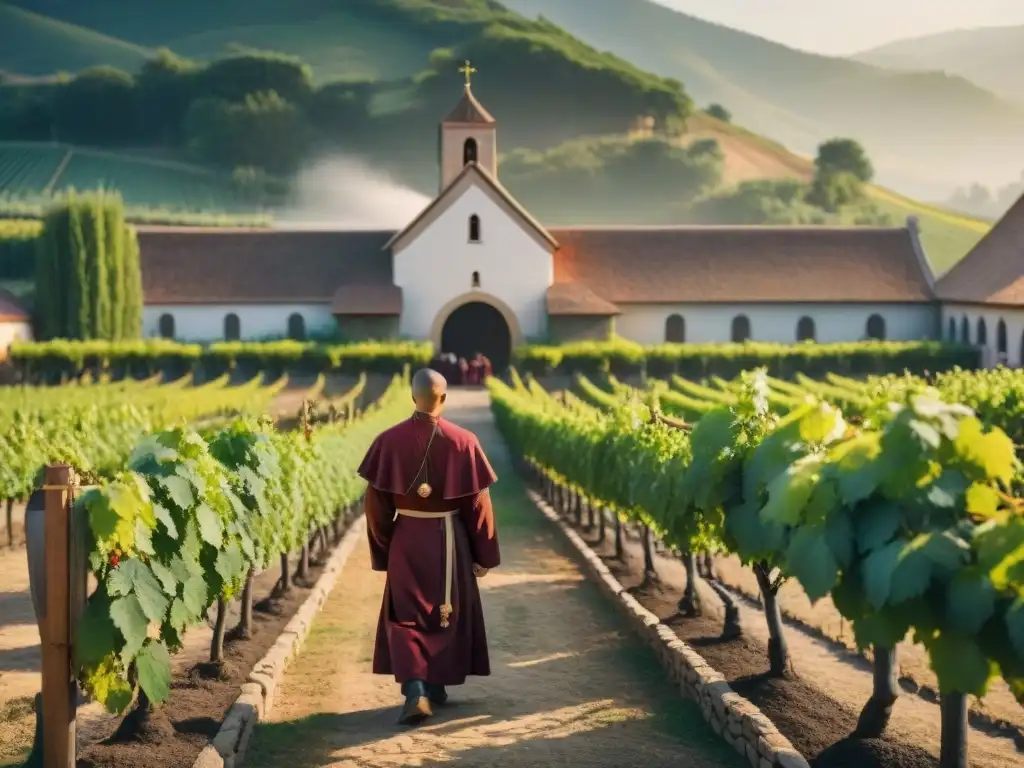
[{"x": 345, "y": 193}]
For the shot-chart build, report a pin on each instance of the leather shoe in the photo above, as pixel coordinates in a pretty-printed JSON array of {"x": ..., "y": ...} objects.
[
  {"x": 415, "y": 710},
  {"x": 417, "y": 703},
  {"x": 437, "y": 694}
]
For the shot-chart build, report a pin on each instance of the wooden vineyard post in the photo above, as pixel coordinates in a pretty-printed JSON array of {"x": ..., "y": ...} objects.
[{"x": 57, "y": 567}]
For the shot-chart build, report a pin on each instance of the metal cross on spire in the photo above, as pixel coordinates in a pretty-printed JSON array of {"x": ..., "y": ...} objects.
[{"x": 467, "y": 69}]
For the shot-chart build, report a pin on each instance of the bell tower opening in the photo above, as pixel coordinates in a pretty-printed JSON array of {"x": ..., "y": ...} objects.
[{"x": 468, "y": 135}]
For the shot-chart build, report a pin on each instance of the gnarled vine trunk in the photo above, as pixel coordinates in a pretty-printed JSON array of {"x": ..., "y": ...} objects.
[
  {"x": 284, "y": 584},
  {"x": 217, "y": 641},
  {"x": 953, "y": 749},
  {"x": 10, "y": 523},
  {"x": 875, "y": 716},
  {"x": 578, "y": 508},
  {"x": 647, "y": 541},
  {"x": 779, "y": 662},
  {"x": 590, "y": 515},
  {"x": 602, "y": 522},
  {"x": 620, "y": 551},
  {"x": 303, "y": 571},
  {"x": 244, "y": 629},
  {"x": 689, "y": 603}
]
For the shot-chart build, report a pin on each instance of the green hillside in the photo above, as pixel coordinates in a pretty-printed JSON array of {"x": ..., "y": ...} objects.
[
  {"x": 926, "y": 132},
  {"x": 992, "y": 57},
  {"x": 32, "y": 172},
  {"x": 32, "y": 44}
]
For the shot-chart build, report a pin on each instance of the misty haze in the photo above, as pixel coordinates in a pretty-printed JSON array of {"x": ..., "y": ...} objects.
[{"x": 340, "y": 192}]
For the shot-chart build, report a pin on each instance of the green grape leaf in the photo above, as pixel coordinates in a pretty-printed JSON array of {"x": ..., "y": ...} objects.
[
  {"x": 824, "y": 499},
  {"x": 108, "y": 685},
  {"x": 877, "y": 571},
  {"x": 959, "y": 664},
  {"x": 95, "y": 634},
  {"x": 945, "y": 550},
  {"x": 885, "y": 628},
  {"x": 196, "y": 595},
  {"x": 992, "y": 454},
  {"x": 913, "y": 572},
  {"x": 167, "y": 576},
  {"x": 810, "y": 560},
  {"x": 1015, "y": 624},
  {"x": 209, "y": 525},
  {"x": 180, "y": 569},
  {"x": 143, "y": 538},
  {"x": 928, "y": 435},
  {"x": 134, "y": 576},
  {"x": 180, "y": 616},
  {"x": 153, "y": 664},
  {"x": 179, "y": 490},
  {"x": 971, "y": 601},
  {"x": 997, "y": 539},
  {"x": 130, "y": 619},
  {"x": 790, "y": 491},
  {"x": 164, "y": 516},
  {"x": 876, "y": 524},
  {"x": 982, "y": 500},
  {"x": 859, "y": 473},
  {"x": 840, "y": 536}
]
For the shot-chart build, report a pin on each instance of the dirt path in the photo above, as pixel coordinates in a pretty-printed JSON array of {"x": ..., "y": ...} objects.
[{"x": 570, "y": 686}]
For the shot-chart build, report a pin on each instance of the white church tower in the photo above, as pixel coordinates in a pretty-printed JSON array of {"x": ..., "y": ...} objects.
[{"x": 469, "y": 134}]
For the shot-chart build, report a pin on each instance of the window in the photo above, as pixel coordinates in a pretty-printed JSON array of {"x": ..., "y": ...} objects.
[
  {"x": 1002, "y": 345},
  {"x": 675, "y": 329},
  {"x": 166, "y": 326},
  {"x": 740, "y": 328},
  {"x": 805, "y": 329},
  {"x": 952, "y": 329},
  {"x": 476, "y": 280},
  {"x": 965, "y": 330},
  {"x": 876, "y": 327},
  {"x": 469, "y": 152},
  {"x": 474, "y": 229},
  {"x": 296, "y": 327},
  {"x": 232, "y": 327},
  {"x": 982, "y": 332}
]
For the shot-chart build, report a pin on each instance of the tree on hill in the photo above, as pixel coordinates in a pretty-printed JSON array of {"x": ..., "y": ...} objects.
[
  {"x": 719, "y": 112},
  {"x": 844, "y": 156},
  {"x": 88, "y": 277}
]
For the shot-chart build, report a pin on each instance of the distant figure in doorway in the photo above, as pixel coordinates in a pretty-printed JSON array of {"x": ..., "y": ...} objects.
[
  {"x": 431, "y": 528},
  {"x": 463, "y": 372},
  {"x": 488, "y": 370},
  {"x": 476, "y": 370}
]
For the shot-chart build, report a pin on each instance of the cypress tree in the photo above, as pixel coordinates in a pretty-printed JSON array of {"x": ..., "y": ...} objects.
[
  {"x": 114, "y": 231},
  {"x": 132, "y": 305},
  {"x": 52, "y": 280},
  {"x": 79, "y": 310},
  {"x": 98, "y": 291}
]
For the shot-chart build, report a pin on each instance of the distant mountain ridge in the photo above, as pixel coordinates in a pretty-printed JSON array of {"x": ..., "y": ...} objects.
[
  {"x": 927, "y": 132},
  {"x": 992, "y": 57}
]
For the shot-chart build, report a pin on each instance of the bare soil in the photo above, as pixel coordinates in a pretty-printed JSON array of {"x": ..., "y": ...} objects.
[
  {"x": 999, "y": 707},
  {"x": 570, "y": 684},
  {"x": 818, "y": 710},
  {"x": 196, "y": 706}
]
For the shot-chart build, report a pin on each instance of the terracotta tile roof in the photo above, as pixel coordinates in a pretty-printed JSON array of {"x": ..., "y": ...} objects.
[
  {"x": 367, "y": 299},
  {"x": 575, "y": 298},
  {"x": 11, "y": 310},
  {"x": 469, "y": 110},
  {"x": 745, "y": 264},
  {"x": 437, "y": 204},
  {"x": 185, "y": 265},
  {"x": 993, "y": 272}
]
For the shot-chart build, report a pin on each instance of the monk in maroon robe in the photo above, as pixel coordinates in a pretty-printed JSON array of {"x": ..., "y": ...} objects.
[{"x": 431, "y": 528}]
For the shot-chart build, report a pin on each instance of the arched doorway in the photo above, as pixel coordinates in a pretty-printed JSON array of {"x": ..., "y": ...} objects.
[{"x": 474, "y": 327}]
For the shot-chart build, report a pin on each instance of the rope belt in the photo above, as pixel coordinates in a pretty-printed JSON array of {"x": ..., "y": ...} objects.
[{"x": 449, "y": 553}]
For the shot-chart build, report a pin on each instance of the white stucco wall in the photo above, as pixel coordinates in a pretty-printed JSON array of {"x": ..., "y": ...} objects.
[
  {"x": 645, "y": 323},
  {"x": 11, "y": 332},
  {"x": 1013, "y": 318},
  {"x": 205, "y": 322},
  {"x": 437, "y": 265}
]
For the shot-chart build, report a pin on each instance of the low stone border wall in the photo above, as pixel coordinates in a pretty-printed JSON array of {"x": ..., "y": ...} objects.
[
  {"x": 742, "y": 725},
  {"x": 227, "y": 750}
]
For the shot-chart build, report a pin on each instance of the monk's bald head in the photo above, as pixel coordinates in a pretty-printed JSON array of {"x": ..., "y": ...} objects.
[{"x": 429, "y": 390}]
